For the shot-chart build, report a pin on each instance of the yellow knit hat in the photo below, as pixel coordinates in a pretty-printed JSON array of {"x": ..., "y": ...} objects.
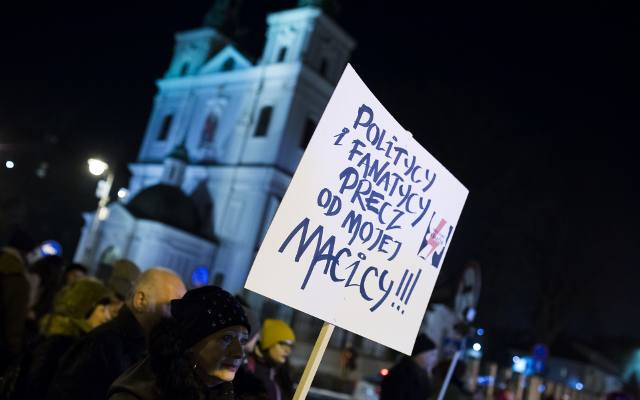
[{"x": 274, "y": 331}]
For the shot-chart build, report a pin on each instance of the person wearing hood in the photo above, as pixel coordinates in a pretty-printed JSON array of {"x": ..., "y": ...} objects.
[
  {"x": 97, "y": 359},
  {"x": 78, "y": 309},
  {"x": 193, "y": 355}
]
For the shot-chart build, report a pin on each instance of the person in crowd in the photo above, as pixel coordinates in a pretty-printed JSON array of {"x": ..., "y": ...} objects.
[
  {"x": 410, "y": 378},
  {"x": 73, "y": 273},
  {"x": 246, "y": 385},
  {"x": 269, "y": 361},
  {"x": 91, "y": 365},
  {"x": 48, "y": 272},
  {"x": 78, "y": 309},
  {"x": 124, "y": 274},
  {"x": 193, "y": 355},
  {"x": 348, "y": 362},
  {"x": 14, "y": 296}
]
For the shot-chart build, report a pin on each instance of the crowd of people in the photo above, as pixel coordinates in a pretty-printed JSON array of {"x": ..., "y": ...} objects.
[{"x": 130, "y": 335}]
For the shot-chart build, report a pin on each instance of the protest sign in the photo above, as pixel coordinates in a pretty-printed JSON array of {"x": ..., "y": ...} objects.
[{"x": 362, "y": 231}]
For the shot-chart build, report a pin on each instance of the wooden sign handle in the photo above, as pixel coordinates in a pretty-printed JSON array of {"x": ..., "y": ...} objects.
[{"x": 314, "y": 361}]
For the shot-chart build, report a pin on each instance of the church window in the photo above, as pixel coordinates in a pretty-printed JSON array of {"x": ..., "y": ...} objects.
[
  {"x": 184, "y": 69},
  {"x": 309, "y": 128},
  {"x": 263, "y": 121},
  {"x": 282, "y": 54},
  {"x": 324, "y": 67},
  {"x": 208, "y": 130},
  {"x": 228, "y": 64},
  {"x": 163, "y": 133}
]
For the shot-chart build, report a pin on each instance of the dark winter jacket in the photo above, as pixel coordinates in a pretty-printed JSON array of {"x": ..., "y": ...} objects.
[
  {"x": 92, "y": 364},
  {"x": 42, "y": 364},
  {"x": 247, "y": 386},
  {"x": 141, "y": 383},
  {"x": 275, "y": 378},
  {"x": 406, "y": 381},
  {"x": 14, "y": 303}
]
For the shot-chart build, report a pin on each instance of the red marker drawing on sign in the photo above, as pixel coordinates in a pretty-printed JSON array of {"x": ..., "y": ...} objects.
[{"x": 433, "y": 241}]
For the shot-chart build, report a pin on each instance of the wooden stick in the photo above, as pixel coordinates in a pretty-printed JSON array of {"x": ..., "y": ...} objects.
[{"x": 314, "y": 361}]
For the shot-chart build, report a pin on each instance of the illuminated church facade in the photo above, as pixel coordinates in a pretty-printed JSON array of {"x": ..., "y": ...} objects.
[{"x": 222, "y": 142}]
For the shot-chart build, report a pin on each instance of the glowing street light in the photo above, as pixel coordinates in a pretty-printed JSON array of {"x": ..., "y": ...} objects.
[
  {"x": 97, "y": 167},
  {"x": 9, "y": 164},
  {"x": 477, "y": 347},
  {"x": 122, "y": 193}
]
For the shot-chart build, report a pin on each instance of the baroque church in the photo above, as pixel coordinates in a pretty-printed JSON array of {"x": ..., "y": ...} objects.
[{"x": 222, "y": 142}]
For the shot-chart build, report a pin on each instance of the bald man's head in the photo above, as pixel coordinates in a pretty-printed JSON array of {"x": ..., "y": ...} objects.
[{"x": 152, "y": 293}]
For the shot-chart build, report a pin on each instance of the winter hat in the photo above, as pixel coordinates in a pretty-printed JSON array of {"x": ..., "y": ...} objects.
[
  {"x": 274, "y": 331},
  {"x": 423, "y": 343},
  {"x": 80, "y": 298},
  {"x": 123, "y": 275},
  {"x": 206, "y": 310}
]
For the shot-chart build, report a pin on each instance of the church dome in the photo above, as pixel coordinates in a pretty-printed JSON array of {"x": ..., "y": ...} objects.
[{"x": 169, "y": 205}]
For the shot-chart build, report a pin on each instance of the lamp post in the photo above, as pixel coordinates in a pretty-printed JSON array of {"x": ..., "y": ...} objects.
[{"x": 98, "y": 168}]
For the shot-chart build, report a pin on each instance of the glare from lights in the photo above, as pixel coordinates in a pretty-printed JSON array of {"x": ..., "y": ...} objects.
[
  {"x": 477, "y": 347},
  {"x": 122, "y": 193},
  {"x": 520, "y": 366},
  {"x": 516, "y": 359},
  {"x": 9, "y": 164},
  {"x": 480, "y": 332},
  {"x": 384, "y": 372},
  {"x": 579, "y": 386},
  {"x": 51, "y": 248},
  {"x": 200, "y": 276},
  {"x": 97, "y": 167},
  {"x": 103, "y": 213}
]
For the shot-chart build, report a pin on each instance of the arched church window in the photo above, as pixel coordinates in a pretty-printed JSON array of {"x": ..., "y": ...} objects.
[
  {"x": 209, "y": 130},
  {"x": 163, "y": 133},
  {"x": 228, "y": 64},
  {"x": 309, "y": 128},
  {"x": 324, "y": 67},
  {"x": 184, "y": 69},
  {"x": 263, "y": 121},
  {"x": 282, "y": 53}
]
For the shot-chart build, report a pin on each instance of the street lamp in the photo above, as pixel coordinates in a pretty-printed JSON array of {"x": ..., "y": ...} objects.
[{"x": 98, "y": 168}]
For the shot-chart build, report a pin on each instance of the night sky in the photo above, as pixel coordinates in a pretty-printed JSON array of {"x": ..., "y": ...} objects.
[{"x": 534, "y": 109}]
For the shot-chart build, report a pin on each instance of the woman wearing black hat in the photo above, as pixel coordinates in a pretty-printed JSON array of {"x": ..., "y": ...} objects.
[{"x": 194, "y": 355}]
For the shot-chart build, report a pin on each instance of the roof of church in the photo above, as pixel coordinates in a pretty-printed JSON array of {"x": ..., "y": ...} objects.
[{"x": 169, "y": 205}]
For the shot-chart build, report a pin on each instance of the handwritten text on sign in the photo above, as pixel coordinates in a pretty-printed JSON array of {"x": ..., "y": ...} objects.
[{"x": 367, "y": 216}]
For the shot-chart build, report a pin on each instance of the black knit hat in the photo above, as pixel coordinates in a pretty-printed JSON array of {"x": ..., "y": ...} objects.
[
  {"x": 423, "y": 343},
  {"x": 206, "y": 310}
]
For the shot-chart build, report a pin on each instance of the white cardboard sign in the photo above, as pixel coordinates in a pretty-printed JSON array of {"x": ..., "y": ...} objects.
[{"x": 364, "y": 226}]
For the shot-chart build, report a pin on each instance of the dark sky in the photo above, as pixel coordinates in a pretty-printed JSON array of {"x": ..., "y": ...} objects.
[{"x": 534, "y": 109}]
